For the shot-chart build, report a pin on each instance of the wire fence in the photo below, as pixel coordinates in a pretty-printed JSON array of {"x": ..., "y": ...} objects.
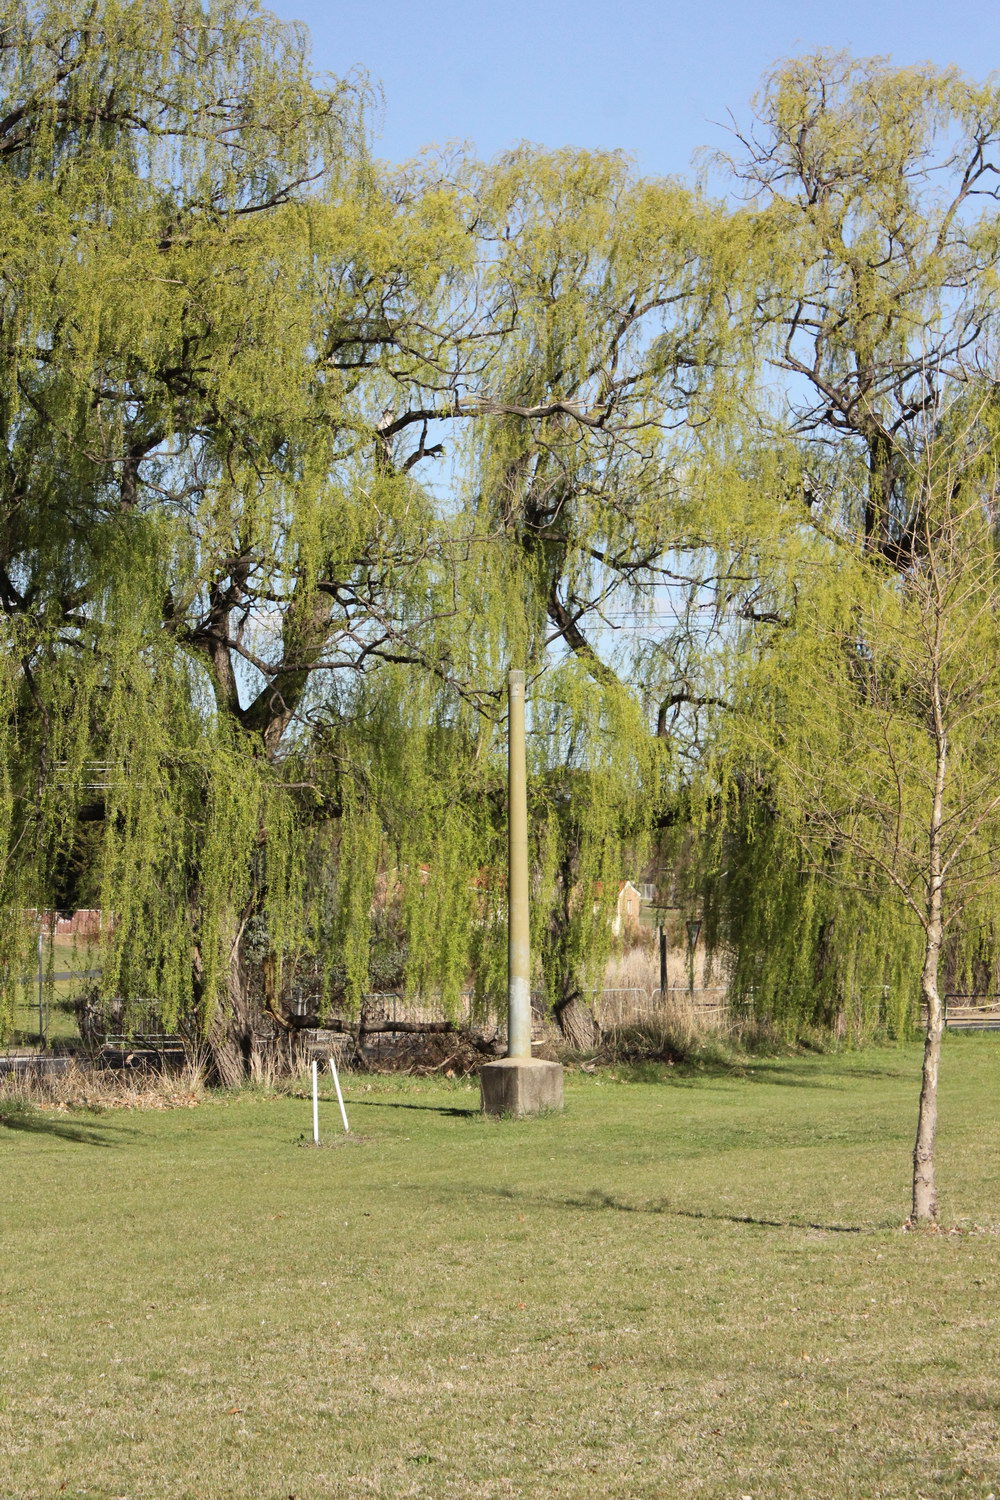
[
  {"x": 701, "y": 1006},
  {"x": 382, "y": 1013},
  {"x": 386, "y": 1016}
]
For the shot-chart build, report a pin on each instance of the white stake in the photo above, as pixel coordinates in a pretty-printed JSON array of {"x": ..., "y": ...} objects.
[
  {"x": 315, "y": 1103},
  {"x": 340, "y": 1097}
]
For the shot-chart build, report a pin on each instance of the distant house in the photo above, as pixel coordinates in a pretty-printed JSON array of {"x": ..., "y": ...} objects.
[
  {"x": 627, "y": 909},
  {"x": 627, "y": 906},
  {"x": 87, "y": 923},
  {"x": 490, "y": 885}
]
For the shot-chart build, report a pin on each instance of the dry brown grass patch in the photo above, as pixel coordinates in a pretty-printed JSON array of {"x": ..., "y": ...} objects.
[{"x": 82, "y": 1087}]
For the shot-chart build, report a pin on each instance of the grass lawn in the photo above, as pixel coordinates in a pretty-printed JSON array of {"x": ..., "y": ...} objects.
[
  {"x": 62, "y": 954},
  {"x": 695, "y": 1287}
]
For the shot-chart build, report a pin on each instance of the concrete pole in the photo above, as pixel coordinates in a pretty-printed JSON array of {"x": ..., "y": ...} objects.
[
  {"x": 519, "y": 937},
  {"x": 519, "y": 1084},
  {"x": 41, "y": 984}
]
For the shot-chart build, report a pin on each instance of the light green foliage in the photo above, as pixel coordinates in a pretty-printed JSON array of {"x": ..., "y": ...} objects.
[
  {"x": 273, "y": 658},
  {"x": 877, "y": 690},
  {"x": 805, "y": 950},
  {"x": 156, "y": 370},
  {"x": 599, "y": 773},
  {"x": 300, "y": 455},
  {"x": 873, "y": 275}
]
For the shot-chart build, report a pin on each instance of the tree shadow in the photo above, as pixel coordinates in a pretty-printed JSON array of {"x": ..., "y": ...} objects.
[
  {"x": 791, "y": 1073},
  {"x": 833, "y": 1076},
  {"x": 598, "y": 1200},
  {"x": 435, "y": 1109},
  {"x": 74, "y": 1131}
]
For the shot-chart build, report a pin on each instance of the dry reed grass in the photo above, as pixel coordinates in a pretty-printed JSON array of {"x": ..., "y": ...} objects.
[
  {"x": 637, "y": 966},
  {"x": 81, "y": 1087}
]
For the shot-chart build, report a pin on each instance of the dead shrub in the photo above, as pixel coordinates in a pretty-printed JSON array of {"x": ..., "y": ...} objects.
[{"x": 453, "y": 1054}]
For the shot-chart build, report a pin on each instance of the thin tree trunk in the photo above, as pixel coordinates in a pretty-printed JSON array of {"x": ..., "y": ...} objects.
[{"x": 924, "y": 1209}]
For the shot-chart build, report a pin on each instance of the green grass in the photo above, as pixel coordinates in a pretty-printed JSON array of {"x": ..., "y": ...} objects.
[
  {"x": 68, "y": 954},
  {"x": 695, "y": 1287}
]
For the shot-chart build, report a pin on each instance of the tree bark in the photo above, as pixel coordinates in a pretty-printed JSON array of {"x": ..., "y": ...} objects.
[
  {"x": 924, "y": 1208},
  {"x": 576, "y": 1023},
  {"x": 233, "y": 1045}
]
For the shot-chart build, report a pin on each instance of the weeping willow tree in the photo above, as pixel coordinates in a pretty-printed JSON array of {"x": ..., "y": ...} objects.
[
  {"x": 392, "y": 720},
  {"x": 246, "y": 641},
  {"x": 201, "y": 513},
  {"x": 870, "y": 287},
  {"x": 510, "y": 568},
  {"x": 871, "y": 723},
  {"x": 155, "y": 159},
  {"x": 856, "y": 779}
]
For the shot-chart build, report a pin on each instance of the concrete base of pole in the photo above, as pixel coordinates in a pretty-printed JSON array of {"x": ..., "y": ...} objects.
[{"x": 521, "y": 1086}]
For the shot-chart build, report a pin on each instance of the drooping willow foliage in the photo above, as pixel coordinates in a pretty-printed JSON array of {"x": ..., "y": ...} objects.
[
  {"x": 856, "y": 837},
  {"x": 150, "y": 323},
  {"x": 806, "y": 950},
  {"x": 300, "y": 455},
  {"x": 246, "y": 643}
]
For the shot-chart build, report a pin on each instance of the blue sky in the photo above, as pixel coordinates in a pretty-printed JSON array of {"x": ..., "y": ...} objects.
[{"x": 650, "y": 78}]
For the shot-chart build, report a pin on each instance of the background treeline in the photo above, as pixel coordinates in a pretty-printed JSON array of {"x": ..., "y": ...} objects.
[{"x": 301, "y": 451}]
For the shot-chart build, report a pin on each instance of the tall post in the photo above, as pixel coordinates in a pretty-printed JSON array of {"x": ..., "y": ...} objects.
[
  {"x": 518, "y": 928},
  {"x": 41, "y": 984},
  {"x": 663, "y": 962},
  {"x": 518, "y": 1084}
]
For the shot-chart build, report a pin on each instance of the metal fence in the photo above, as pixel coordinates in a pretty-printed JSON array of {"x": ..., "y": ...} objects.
[
  {"x": 964, "y": 1012},
  {"x": 700, "y": 1007}
]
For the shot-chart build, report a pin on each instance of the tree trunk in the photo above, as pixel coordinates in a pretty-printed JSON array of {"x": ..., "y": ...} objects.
[
  {"x": 232, "y": 1041},
  {"x": 576, "y": 1023},
  {"x": 924, "y": 1208}
]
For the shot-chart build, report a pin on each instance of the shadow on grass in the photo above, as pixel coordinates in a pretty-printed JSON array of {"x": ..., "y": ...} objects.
[
  {"x": 598, "y": 1200},
  {"x": 434, "y": 1109},
  {"x": 825, "y": 1074},
  {"x": 782, "y": 1072},
  {"x": 32, "y": 1123}
]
